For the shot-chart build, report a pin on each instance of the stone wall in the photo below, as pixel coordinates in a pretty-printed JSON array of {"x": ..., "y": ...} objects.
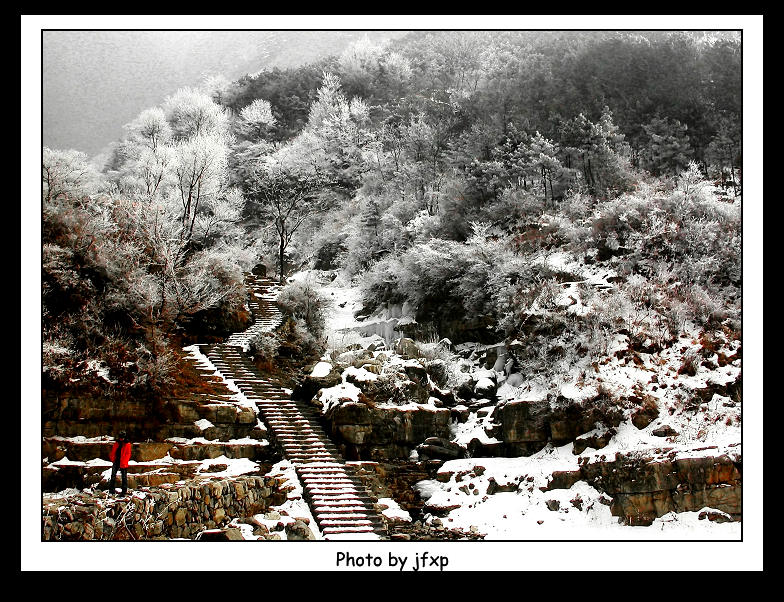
[
  {"x": 644, "y": 488},
  {"x": 364, "y": 432},
  {"x": 168, "y": 512},
  {"x": 69, "y": 414},
  {"x": 526, "y": 426}
]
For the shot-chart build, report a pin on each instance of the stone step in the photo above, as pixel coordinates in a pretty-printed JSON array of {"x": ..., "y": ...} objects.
[
  {"x": 296, "y": 455},
  {"x": 370, "y": 536},
  {"x": 340, "y": 503},
  {"x": 329, "y": 482},
  {"x": 305, "y": 444},
  {"x": 330, "y": 490},
  {"x": 306, "y": 451},
  {"x": 310, "y": 459},
  {"x": 346, "y": 530},
  {"x": 350, "y": 523},
  {"x": 297, "y": 452},
  {"x": 337, "y": 497},
  {"x": 320, "y": 474},
  {"x": 324, "y": 503},
  {"x": 329, "y": 520},
  {"x": 344, "y": 510},
  {"x": 345, "y": 523},
  {"x": 341, "y": 499}
]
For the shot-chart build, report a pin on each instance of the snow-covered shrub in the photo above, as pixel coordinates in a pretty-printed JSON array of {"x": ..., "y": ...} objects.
[
  {"x": 512, "y": 207},
  {"x": 155, "y": 370},
  {"x": 442, "y": 279},
  {"x": 297, "y": 341},
  {"x": 303, "y": 302},
  {"x": 264, "y": 346}
]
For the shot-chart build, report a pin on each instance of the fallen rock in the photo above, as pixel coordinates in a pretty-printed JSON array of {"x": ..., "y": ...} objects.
[
  {"x": 407, "y": 348},
  {"x": 716, "y": 516},
  {"x": 646, "y": 414},
  {"x": 439, "y": 448},
  {"x": 597, "y": 439},
  {"x": 494, "y": 486},
  {"x": 299, "y": 531},
  {"x": 485, "y": 388},
  {"x": 230, "y": 534},
  {"x": 311, "y": 384},
  {"x": 664, "y": 431}
]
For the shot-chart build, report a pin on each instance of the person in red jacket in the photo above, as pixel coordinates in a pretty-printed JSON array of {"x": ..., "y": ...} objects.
[{"x": 120, "y": 454}]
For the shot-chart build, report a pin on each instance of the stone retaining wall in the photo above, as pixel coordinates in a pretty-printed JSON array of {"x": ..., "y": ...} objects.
[
  {"x": 68, "y": 414},
  {"x": 644, "y": 488},
  {"x": 381, "y": 432},
  {"x": 168, "y": 512}
]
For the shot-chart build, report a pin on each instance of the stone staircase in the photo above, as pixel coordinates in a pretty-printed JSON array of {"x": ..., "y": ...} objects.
[
  {"x": 266, "y": 315},
  {"x": 339, "y": 502}
]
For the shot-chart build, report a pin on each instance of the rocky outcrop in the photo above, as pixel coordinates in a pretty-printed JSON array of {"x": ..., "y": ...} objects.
[
  {"x": 644, "y": 487},
  {"x": 171, "y": 511},
  {"x": 305, "y": 389},
  {"x": 438, "y": 448},
  {"x": 71, "y": 414},
  {"x": 527, "y": 426},
  {"x": 596, "y": 439},
  {"x": 368, "y": 432}
]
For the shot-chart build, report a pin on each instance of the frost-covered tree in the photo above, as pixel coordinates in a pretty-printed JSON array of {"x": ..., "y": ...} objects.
[
  {"x": 66, "y": 173},
  {"x": 256, "y": 119},
  {"x": 193, "y": 113},
  {"x": 286, "y": 198},
  {"x": 200, "y": 174}
]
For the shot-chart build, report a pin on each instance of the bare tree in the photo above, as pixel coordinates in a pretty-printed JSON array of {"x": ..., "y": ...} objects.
[{"x": 287, "y": 199}]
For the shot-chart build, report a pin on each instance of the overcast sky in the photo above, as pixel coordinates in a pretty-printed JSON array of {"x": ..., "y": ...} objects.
[{"x": 94, "y": 82}]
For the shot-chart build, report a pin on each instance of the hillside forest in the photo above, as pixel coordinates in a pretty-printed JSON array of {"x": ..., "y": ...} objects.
[{"x": 478, "y": 177}]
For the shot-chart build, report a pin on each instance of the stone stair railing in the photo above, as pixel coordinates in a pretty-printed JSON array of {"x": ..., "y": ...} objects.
[{"x": 338, "y": 500}]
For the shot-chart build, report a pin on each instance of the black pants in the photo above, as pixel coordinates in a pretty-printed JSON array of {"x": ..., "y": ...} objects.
[{"x": 124, "y": 473}]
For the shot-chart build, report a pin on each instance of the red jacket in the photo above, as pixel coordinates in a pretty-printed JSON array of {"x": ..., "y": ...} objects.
[{"x": 125, "y": 454}]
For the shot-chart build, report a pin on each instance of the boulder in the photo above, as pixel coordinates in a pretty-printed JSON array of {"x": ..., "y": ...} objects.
[
  {"x": 437, "y": 369},
  {"x": 485, "y": 388},
  {"x": 527, "y": 425},
  {"x": 439, "y": 448},
  {"x": 299, "y": 531},
  {"x": 714, "y": 516},
  {"x": 230, "y": 534},
  {"x": 664, "y": 431},
  {"x": 415, "y": 371},
  {"x": 445, "y": 395},
  {"x": 646, "y": 488},
  {"x": 306, "y": 389},
  {"x": 385, "y": 431},
  {"x": 407, "y": 348},
  {"x": 645, "y": 414},
  {"x": 596, "y": 439},
  {"x": 515, "y": 379}
]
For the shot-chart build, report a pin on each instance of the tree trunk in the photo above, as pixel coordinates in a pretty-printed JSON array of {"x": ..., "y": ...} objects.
[{"x": 281, "y": 252}]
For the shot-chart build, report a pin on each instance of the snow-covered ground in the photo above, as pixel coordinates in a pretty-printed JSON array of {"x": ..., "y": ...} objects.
[
  {"x": 526, "y": 512},
  {"x": 294, "y": 508}
]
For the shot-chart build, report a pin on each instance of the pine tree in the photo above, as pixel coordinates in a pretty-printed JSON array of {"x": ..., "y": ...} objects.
[{"x": 668, "y": 148}]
